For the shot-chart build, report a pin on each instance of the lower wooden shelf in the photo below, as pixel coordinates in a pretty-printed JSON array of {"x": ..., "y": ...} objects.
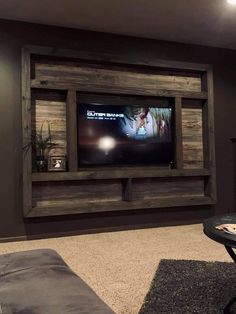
[
  {"x": 117, "y": 173},
  {"x": 75, "y": 206}
]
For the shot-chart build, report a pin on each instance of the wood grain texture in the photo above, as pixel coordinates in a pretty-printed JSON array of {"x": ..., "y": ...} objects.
[
  {"x": 234, "y": 171},
  {"x": 153, "y": 188},
  {"x": 71, "y": 117},
  {"x": 122, "y": 173},
  {"x": 89, "y": 192},
  {"x": 115, "y": 78},
  {"x": 127, "y": 190},
  {"x": 76, "y": 207},
  {"x": 192, "y": 131},
  {"x": 60, "y": 85},
  {"x": 209, "y": 137},
  {"x": 104, "y": 189},
  {"x": 53, "y": 112},
  {"x": 178, "y": 133},
  {"x": 119, "y": 58},
  {"x": 26, "y": 131}
]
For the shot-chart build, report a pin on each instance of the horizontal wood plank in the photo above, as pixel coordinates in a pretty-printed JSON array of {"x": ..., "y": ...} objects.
[
  {"x": 116, "y": 58},
  {"x": 86, "y": 87},
  {"x": 75, "y": 207},
  {"x": 112, "y": 173},
  {"x": 114, "y": 78},
  {"x": 51, "y": 193},
  {"x": 155, "y": 188}
]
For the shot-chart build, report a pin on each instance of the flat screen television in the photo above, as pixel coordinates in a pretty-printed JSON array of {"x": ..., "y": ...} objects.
[{"x": 124, "y": 135}]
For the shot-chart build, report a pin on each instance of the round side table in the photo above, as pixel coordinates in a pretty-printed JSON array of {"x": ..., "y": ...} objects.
[{"x": 228, "y": 240}]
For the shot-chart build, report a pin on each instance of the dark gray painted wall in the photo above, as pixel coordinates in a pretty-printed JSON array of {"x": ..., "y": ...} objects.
[{"x": 13, "y": 35}]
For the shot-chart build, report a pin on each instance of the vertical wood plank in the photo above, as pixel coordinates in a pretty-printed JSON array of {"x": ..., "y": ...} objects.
[
  {"x": 53, "y": 112},
  {"x": 127, "y": 194},
  {"x": 209, "y": 138},
  {"x": 192, "y": 137},
  {"x": 71, "y": 112},
  {"x": 26, "y": 132},
  {"x": 207, "y": 180},
  {"x": 178, "y": 134},
  {"x": 205, "y": 126},
  {"x": 204, "y": 85},
  {"x": 234, "y": 169}
]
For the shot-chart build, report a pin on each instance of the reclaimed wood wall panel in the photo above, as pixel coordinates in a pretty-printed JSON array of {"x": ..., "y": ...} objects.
[
  {"x": 53, "y": 112},
  {"x": 192, "y": 138},
  {"x": 154, "y": 188},
  {"x": 74, "y": 78},
  {"x": 52, "y": 193},
  {"x": 121, "y": 80}
]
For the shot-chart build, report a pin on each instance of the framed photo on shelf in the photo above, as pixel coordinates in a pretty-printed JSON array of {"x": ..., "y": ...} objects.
[{"x": 57, "y": 163}]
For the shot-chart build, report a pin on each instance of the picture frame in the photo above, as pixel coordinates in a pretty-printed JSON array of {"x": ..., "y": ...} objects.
[{"x": 57, "y": 163}]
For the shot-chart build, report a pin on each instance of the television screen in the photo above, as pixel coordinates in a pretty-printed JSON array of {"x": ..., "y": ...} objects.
[{"x": 124, "y": 135}]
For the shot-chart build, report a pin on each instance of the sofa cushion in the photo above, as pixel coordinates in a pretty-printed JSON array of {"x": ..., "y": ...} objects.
[{"x": 40, "y": 282}]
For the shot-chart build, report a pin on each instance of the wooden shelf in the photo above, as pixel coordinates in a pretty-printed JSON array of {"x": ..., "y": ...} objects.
[
  {"x": 121, "y": 173},
  {"x": 76, "y": 206}
]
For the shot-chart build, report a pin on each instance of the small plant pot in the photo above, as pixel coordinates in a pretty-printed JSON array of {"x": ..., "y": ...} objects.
[{"x": 41, "y": 164}]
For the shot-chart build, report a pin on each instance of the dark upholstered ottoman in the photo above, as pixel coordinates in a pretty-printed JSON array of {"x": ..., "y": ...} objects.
[{"x": 40, "y": 282}]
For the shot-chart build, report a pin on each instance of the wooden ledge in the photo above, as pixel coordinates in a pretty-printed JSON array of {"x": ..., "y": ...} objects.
[{"x": 118, "y": 173}]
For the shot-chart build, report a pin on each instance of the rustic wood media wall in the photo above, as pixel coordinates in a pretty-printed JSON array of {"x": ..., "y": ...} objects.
[{"x": 54, "y": 81}]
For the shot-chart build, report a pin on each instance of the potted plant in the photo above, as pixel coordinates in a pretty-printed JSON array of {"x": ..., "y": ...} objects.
[{"x": 41, "y": 144}]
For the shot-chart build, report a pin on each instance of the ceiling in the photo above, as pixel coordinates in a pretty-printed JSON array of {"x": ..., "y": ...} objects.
[{"x": 204, "y": 22}]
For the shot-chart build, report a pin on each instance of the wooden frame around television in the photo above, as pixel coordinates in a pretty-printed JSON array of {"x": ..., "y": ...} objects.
[{"x": 50, "y": 75}]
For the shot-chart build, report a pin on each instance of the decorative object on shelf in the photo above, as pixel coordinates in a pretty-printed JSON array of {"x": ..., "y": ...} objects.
[
  {"x": 41, "y": 143},
  {"x": 57, "y": 163}
]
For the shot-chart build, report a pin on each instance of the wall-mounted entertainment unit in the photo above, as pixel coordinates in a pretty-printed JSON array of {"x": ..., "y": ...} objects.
[{"x": 133, "y": 134}]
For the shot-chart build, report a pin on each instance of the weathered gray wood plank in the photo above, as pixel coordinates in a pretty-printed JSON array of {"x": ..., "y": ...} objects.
[
  {"x": 209, "y": 138},
  {"x": 54, "y": 113},
  {"x": 116, "y": 58},
  {"x": 109, "y": 173},
  {"x": 192, "y": 137},
  {"x": 26, "y": 131},
  {"x": 50, "y": 193},
  {"x": 128, "y": 190},
  {"x": 129, "y": 90},
  {"x": 178, "y": 133},
  {"x": 156, "y": 188},
  {"x": 113, "y": 78},
  {"x": 75, "y": 207},
  {"x": 72, "y": 130}
]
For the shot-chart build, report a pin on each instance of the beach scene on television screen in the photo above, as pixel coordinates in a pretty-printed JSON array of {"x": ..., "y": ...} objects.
[{"x": 140, "y": 123}]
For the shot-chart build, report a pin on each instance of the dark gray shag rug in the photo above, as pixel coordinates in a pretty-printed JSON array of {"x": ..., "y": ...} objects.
[{"x": 186, "y": 287}]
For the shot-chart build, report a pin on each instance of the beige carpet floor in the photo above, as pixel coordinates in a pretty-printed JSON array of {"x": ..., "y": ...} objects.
[{"x": 119, "y": 266}]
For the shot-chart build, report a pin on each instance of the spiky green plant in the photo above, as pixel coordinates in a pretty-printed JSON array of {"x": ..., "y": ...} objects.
[{"x": 41, "y": 142}]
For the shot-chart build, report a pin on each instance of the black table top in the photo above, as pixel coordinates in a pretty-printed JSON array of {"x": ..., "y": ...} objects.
[{"x": 218, "y": 235}]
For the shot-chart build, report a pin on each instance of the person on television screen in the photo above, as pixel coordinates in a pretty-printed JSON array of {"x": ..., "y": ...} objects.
[{"x": 145, "y": 122}]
